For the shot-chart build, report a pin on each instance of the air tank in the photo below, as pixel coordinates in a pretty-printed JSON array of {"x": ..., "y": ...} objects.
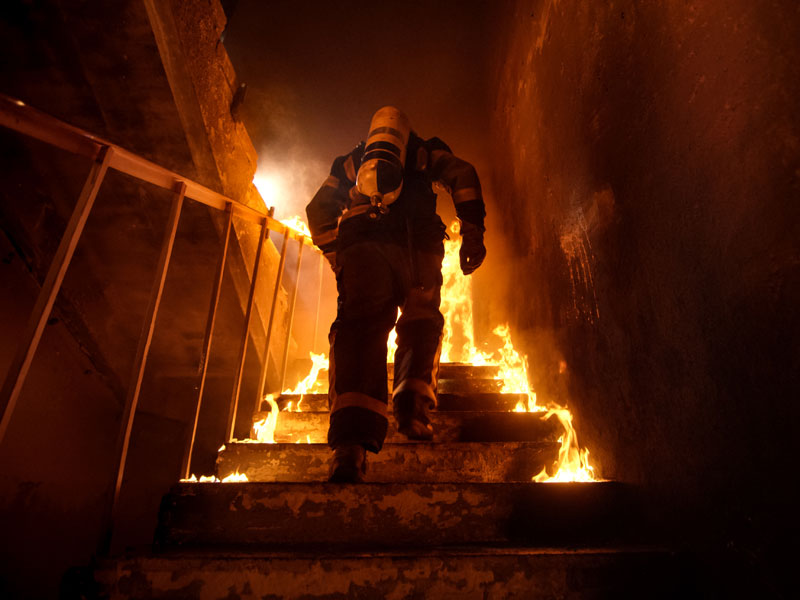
[{"x": 380, "y": 176}]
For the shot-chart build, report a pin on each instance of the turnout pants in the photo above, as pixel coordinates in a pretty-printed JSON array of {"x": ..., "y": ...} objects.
[{"x": 374, "y": 279}]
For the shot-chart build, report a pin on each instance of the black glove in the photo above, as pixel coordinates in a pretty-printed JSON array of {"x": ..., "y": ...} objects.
[{"x": 472, "y": 250}]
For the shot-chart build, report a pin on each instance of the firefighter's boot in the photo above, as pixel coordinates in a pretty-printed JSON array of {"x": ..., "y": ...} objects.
[
  {"x": 349, "y": 464},
  {"x": 411, "y": 414}
]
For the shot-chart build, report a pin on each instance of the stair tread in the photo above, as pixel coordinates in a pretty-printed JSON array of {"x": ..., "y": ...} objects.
[
  {"x": 457, "y": 370},
  {"x": 393, "y": 514},
  {"x": 466, "y": 573},
  {"x": 452, "y": 426},
  {"x": 397, "y": 462},
  {"x": 455, "y": 402},
  {"x": 325, "y": 552}
]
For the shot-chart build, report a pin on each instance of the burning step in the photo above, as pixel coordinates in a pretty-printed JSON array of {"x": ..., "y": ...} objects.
[
  {"x": 461, "y": 426},
  {"x": 469, "y": 386},
  {"x": 375, "y": 515},
  {"x": 460, "y": 371},
  {"x": 418, "y": 462},
  {"x": 469, "y": 401}
]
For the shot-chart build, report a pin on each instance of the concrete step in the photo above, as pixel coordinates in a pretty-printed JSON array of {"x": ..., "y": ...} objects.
[
  {"x": 446, "y": 370},
  {"x": 293, "y": 515},
  {"x": 465, "y": 386},
  {"x": 486, "y": 462},
  {"x": 469, "y": 386},
  {"x": 446, "y": 401},
  {"x": 462, "y": 426},
  {"x": 457, "y": 386},
  {"x": 459, "y": 371},
  {"x": 466, "y": 574}
]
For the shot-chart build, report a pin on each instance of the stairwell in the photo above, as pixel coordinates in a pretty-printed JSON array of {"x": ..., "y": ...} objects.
[{"x": 458, "y": 517}]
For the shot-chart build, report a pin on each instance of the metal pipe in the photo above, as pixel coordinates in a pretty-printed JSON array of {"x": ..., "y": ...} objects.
[
  {"x": 272, "y": 311},
  {"x": 291, "y": 317},
  {"x": 319, "y": 302},
  {"x": 186, "y": 466},
  {"x": 140, "y": 362},
  {"x": 18, "y": 116},
  {"x": 234, "y": 406},
  {"x": 18, "y": 371}
]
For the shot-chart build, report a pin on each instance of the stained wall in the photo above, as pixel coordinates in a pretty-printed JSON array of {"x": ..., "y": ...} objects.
[{"x": 648, "y": 162}]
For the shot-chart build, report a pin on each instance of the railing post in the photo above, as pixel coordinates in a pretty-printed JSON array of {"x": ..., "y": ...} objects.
[
  {"x": 291, "y": 314},
  {"x": 18, "y": 371},
  {"x": 243, "y": 349},
  {"x": 272, "y": 311},
  {"x": 140, "y": 362},
  {"x": 186, "y": 466},
  {"x": 322, "y": 262}
]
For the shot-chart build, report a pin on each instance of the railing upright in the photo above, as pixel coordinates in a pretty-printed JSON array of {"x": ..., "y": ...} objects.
[
  {"x": 292, "y": 305},
  {"x": 322, "y": 262},
  {"x": 273, "y": 309},
  {"x": 186, "y": 466},
  {"x": 15, "y": 378},
  {"x": 237, "y": 385},
  {"x": 140, "y": 362},
  {"x": 18, "y": 116}
]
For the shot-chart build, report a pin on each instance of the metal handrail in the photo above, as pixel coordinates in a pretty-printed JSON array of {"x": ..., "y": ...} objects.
[
  {"x": 24, "y": 119},
  {"x": 16, "y": 115}
]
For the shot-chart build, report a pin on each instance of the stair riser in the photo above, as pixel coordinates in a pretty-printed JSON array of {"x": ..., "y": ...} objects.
[
  {"x": 536, "y": 575},
  {"x": 472, "y": 462},
  {"x": 308, "y": 427},
  {"x": 445, "y": 402},
  {"x": 458, "y": 371},
  {"x": 283, "y": 515},
  {"x": 469, "y": 386},
  {"x": 456, "y": 386}
]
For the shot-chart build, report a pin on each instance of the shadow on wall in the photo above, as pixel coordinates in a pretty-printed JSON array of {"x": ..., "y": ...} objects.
[{"x": 648, "y": 158}]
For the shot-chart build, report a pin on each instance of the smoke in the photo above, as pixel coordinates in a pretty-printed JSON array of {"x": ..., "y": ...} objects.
[{"x": 288, "y": 172}]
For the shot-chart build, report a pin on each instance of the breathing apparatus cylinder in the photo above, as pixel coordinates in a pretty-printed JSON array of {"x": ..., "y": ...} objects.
[{"x": 380, "y": 176}]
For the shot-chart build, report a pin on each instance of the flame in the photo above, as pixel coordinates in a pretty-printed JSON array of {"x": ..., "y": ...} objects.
[
  {"x": 276, "y": 188},
  {"x": 573, "y": 461},
  {"x": 513, "y": 371},
  {"x": 235, "y": 477},
  {"x": 391, "y": 344},
  {"x": 297, "y": 224},
  {"x": 458, "y": 344},
  {"x": 265, "y": 428},
  {"x": 310, "y": 384},
  {"x": 203, "y": 479},
  {"x": 232, "y": 478}
]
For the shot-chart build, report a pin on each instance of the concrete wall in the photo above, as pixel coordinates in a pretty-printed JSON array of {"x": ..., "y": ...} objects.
[
  {"x": 648, "y": 163},
  {"x": 152, "y": 77}
]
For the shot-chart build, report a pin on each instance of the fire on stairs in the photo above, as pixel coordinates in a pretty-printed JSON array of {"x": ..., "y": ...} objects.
[
  {"x": 465, "y": 516},
  {"x": 456, "y": 518}
]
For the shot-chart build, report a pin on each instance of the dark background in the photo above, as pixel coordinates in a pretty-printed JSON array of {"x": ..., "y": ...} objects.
[{"x": 641, "y": 162}]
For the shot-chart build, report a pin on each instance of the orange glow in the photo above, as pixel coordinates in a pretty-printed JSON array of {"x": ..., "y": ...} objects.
[
  {"x": 265, "y": 428},
  {"x": 458, "y": 342},
  {"x": 297, "y": 224},
  {"x": 312, "y": 383},
  {"x": 232, "y": 478},
  {"x": 458, "y": 345},
  {"x": 235, "y": 477},
  {"x": 391, "y": 345}
]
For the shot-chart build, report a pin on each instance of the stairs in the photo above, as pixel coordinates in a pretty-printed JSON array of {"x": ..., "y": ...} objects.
[{"x": 455, "y": 518}]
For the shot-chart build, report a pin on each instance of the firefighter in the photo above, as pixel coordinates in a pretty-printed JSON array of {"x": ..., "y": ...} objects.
[{"x": 374, "y": 219}]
